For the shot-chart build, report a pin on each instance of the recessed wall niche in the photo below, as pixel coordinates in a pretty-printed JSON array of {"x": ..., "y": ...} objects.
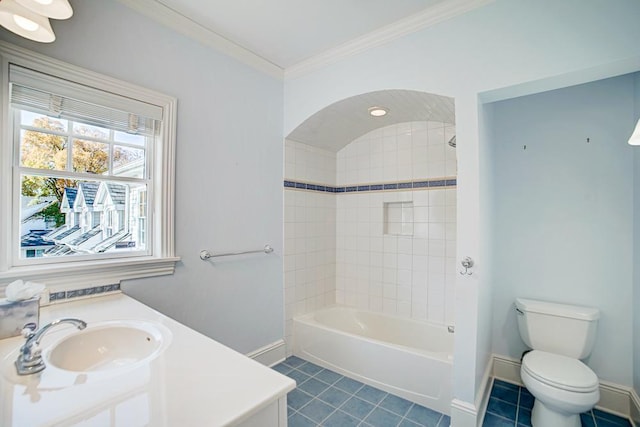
[{"x": 398, "y": 218}]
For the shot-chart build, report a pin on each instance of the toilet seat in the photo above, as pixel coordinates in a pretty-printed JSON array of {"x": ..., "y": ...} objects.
[{"x": 560, "y": 371}]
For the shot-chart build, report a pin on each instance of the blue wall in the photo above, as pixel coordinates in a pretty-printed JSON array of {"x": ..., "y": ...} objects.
[
  {"x": 507, "y": 46},
  {"x": 563, "y": 213},
  {"x": 228, "y": 166}
]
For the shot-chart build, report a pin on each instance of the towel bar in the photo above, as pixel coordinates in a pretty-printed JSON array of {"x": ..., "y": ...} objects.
[{"x": 205, "y": 254}]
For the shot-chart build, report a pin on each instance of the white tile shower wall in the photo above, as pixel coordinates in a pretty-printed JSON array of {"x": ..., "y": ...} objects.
[
  {"x": 405, "y": 275},
  {"x": 303, "y": 162},
  {"x": 335, "y": 249},
  {"x": 309, "y": 234},
  {"x": 402, "y": 152}
]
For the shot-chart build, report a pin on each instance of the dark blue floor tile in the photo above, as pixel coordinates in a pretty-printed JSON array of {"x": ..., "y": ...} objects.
[
  {"x": 313, "y": 386},
  {"x": 316, "y": 410},
  {"x": 328, "y": 376},
  {"x": 606, "y": 419},
  {"x": 382, "y": 418},
  {"x": 357, "y": 408},
  {"x": 290, "y": 411},
  {"x": 423, "y": 416},
  {"x": 309, "y": 368},
  {"x": 298, "y": 398},
  {"x": 506, "y": 394},
  {"x": 340, "y": 419},
  {"x": 395, "y": 404},
  {"x": 327, "y": 399},
  {"x": 505, "y": 384},
  {"x": 298, "y": 376},
  {"x": 297, "y": 420},
  {"x": 587, "y": 420},
  {"x": 334, "y": 397},
  {"x": 502, "y": 408},
  {"x": 282, "y": 368},
  {"x": 408, "y": 423},
  {"x": 371, "y": 394},
  {"x": 524, "y": 417},
  {"x": 621, "y": 422},
  {"x": 294, "y": 361},
  {"x": 348, "y": 385},
  {"x": 315, "y": 401},
  {"x": 445, "y": 421},
  {"x": 526, "y": 399},
  {"x": 491, "y": 420}
]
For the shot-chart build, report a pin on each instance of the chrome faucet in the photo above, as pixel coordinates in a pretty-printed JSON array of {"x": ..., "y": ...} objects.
[{"x": 30, "y": 358}]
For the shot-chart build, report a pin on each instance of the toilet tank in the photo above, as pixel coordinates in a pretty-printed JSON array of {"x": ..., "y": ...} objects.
[{"x": 564, "y": 329}]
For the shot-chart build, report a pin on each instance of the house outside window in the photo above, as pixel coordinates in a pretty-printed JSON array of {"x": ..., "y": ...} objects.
[
  {"x": 142, "y": 217},
  {"x": 101, "y": 152},
  {"x": 34, "y": 253}
]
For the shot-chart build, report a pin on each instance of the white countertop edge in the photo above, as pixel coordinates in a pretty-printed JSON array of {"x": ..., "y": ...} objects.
[{"x": 188, "y": 353}]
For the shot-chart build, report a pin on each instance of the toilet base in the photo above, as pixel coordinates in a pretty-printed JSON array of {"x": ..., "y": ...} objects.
[{"x": 542, "y": 416}]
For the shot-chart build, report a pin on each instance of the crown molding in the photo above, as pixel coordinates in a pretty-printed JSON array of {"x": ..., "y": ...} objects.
[
  {"x": 416, "y": 22},
  {"x": 168, "y": 17}
]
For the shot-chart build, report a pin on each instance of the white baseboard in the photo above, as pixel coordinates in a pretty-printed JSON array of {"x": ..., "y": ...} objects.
[
  {"x": 506, "y": 369},
  {"x": 614, "y": 398},
  {"x": 482, "y": 399},
  {"x": 635, "y": 408},
  {"x": 465, "y": 414},
  {"x": 270, "y": 354}
]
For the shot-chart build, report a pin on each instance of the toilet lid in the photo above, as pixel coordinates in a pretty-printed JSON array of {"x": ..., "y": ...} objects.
[{"x": 560, "y": 371}]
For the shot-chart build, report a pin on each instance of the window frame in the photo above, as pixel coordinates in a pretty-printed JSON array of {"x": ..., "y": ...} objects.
[
  {"x": 72, "y": 274},
  {"x": 81, "y": 217}
]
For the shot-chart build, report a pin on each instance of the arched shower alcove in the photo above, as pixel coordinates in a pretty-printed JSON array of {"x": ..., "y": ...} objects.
[{"x": 370, "y": 208}]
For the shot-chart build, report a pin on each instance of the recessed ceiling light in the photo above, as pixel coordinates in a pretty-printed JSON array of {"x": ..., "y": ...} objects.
[{"x": 378, "y": 111}]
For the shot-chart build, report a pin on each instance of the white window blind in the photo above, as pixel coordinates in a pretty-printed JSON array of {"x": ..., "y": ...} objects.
[{"x": 57, "y": 97}]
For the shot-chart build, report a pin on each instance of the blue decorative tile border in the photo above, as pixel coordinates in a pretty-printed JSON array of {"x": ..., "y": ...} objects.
[
  {"x": 76, "y": 293},
  {"x": 405, "y": 185}
]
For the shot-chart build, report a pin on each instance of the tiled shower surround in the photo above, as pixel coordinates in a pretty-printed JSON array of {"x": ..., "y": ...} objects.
[{"x": 350, "y": 241}]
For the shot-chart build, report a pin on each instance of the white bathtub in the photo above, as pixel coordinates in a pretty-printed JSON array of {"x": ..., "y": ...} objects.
[{"x": 410, "y": 359}]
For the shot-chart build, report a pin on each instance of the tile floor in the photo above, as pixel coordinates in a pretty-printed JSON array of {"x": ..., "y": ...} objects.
[
  {"x": 510, "y": 405},
  {"x": 326, "y": 398}
]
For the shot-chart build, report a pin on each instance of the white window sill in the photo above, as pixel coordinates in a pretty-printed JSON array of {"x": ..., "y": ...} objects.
[{"x": 90, "y": 273}]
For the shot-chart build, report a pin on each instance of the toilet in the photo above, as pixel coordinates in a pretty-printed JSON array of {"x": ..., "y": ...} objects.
[{"x": 560, "y": 335}]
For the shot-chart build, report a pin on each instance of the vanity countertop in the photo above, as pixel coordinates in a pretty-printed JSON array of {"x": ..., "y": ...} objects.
[{"x": 194, "y": 381}]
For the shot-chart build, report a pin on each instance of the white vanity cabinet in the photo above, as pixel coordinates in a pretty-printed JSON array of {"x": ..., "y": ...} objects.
[
  {"x": 273, "y": 415},
  {"x": 192, "y": 381}
]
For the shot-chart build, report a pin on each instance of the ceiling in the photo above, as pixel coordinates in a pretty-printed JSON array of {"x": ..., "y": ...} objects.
[
  {"x": 290, "y": 37},
  {"x": 340, "y": 123},
  {"x": 286, "y": 33}
]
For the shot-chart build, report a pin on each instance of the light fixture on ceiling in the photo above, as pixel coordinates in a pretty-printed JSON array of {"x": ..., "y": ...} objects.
[
  {"x": 30, "y": 18},
  {"x": 634, "y": 139},
  {"x": 378, "y": 111}
]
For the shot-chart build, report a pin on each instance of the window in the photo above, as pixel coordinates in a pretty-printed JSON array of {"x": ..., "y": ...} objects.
[
  {"x": 142, "y": 217},
  {"x": 72, "y": 149},
  {"x": 99, "y": 152}
]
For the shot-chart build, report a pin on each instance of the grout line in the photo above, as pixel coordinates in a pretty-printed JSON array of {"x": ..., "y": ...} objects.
[
  {"x": 518, "y": 406},
  {"x": 304, "y": 416}
]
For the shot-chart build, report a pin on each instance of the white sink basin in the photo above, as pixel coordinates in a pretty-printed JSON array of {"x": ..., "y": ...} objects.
[{"x": 107, "y": 346}]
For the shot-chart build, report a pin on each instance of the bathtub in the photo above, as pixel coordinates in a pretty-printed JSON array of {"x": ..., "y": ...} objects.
[{"x": 410, "y": 359}]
